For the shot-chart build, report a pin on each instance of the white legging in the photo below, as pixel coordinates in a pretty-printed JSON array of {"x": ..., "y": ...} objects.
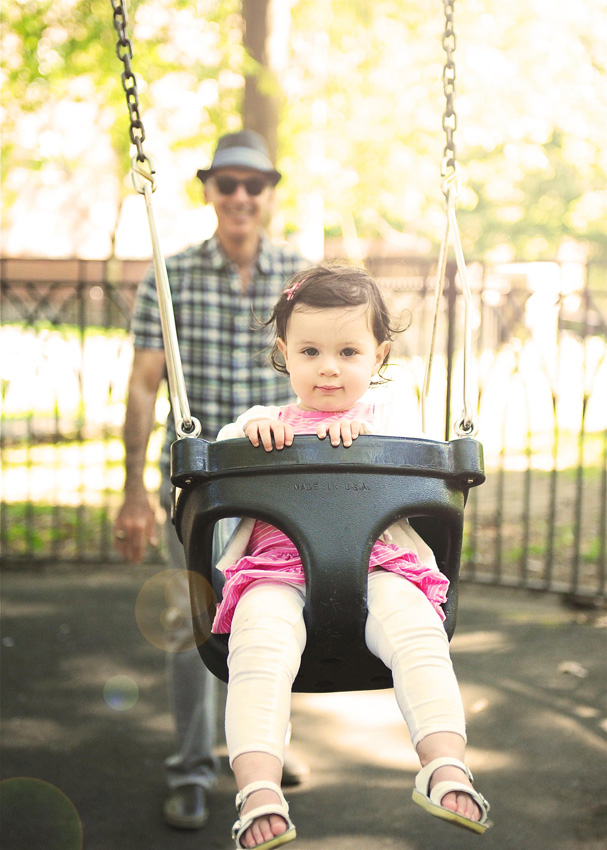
[{"x": 268, "y": 637}]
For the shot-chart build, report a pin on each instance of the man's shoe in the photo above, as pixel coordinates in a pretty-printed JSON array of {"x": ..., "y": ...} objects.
[
  {"x": 186, "y": 807},
  {"x": 294, "y": 771}
]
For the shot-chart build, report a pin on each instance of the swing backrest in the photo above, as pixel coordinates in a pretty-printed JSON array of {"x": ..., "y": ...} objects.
[{"x": 333, "y": 503}]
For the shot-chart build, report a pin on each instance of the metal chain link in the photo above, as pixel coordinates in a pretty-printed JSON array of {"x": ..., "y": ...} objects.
[
  {"x": 124, "y": 50},
  {"x": 449, "y": 164}
]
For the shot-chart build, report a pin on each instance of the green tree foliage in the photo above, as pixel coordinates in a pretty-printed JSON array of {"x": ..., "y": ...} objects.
[
  {"x": 360, "y": 124},
  {"x": 531, "y": 96},
  {"x": 61, "y": 55},
  {"x": 534, "y": 197}
]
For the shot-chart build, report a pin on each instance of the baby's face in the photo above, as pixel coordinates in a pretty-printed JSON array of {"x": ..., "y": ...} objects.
[{"x": 331, "y": 356}]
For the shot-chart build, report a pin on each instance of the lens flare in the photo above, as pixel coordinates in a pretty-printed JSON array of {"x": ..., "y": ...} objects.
[
  {"x": 164, "y": 614},
  {"x": 121, "y": 693}
]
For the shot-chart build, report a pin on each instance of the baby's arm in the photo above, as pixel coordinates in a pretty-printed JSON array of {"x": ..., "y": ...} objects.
[
  {"x": 262, "y": 431},
  {"x": 345, "y": 431}
]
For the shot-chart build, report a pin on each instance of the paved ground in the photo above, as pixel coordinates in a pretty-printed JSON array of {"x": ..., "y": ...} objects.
[{"x": 77, "y": 758}]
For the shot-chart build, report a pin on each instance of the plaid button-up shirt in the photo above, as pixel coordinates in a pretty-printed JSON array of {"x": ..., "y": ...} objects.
[{"x": 223, "y": 350}]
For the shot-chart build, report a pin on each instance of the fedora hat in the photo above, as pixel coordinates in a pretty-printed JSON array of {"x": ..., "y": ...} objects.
[{"x": 245, "y": 149}]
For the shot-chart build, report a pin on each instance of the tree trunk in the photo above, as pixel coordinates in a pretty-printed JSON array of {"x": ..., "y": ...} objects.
[{"x": 266, "y": 34}]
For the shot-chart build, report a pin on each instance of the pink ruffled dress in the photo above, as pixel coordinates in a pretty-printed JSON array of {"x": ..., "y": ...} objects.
[{"x": 271, "y": 555}]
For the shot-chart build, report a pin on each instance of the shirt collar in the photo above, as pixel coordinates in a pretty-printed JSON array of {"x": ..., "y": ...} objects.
[
  {"x": 218, "y": 259},
  {"x": 264, "y": 257},
  {"x": 212, "y": 248}
]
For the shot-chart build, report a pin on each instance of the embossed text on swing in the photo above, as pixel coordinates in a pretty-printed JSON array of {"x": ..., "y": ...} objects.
[{"x": 310, "y": 486}]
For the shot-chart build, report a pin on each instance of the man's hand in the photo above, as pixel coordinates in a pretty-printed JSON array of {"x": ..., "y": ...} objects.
[
  {"x": 262, "y": 430},
  {"x": 135, "y": 524},
  {"x": 345, "y": 431},
  {"x": 134, "y": 527}
]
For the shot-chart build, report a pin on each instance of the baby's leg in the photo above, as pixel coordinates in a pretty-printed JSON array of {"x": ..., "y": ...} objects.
[
  {"x": 404, "y": 630},
  {"x": 267, "y": 639}
]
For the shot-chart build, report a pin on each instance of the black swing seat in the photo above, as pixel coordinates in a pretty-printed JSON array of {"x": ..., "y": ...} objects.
[{"x": 333, "y": 503}]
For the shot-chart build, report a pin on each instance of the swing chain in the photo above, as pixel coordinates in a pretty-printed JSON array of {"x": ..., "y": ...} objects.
[
  {"x": 449, "y": 164},
  {"x": 142, "y": 173},
  {"x": 124, "y": 51},
  {"x": 465, "y": 426}
]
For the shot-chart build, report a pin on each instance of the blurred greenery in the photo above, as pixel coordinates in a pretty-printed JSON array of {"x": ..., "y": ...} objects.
[
  {"x": 35, "y": 528},
  {"x": 38, "y": 530},
  {"x": 361, "y": 121},
  {"x": 65, "y": 52}
]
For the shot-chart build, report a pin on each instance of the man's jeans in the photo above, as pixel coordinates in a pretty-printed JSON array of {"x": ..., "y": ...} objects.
[{"x": 192, "y": 690}]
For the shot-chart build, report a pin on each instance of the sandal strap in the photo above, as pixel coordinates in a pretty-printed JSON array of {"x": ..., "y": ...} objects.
[
  {"x": 281, "y": 809},
  {"x": 241, "y": 825},
  {"x": 259, "y": 785},
  {"x": 445, "y": 787},
  {"x": 422, "y": 780}
]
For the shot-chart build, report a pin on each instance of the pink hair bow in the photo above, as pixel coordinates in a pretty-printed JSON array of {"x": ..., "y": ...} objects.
[{"x": 290, "y": 292}]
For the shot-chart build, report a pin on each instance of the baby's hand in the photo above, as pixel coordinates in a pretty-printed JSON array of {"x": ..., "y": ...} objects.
[
  {"x": 345, "y": 430},
  {"x": 262, "y": 430}
]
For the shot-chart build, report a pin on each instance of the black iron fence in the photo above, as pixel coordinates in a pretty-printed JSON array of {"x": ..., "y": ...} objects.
[{"x": 540, "y": 363}]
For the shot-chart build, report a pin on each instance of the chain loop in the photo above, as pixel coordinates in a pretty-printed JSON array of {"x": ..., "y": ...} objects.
[
  {"x": 449, "y": 116},
  {"x": 142, "y": 173}
]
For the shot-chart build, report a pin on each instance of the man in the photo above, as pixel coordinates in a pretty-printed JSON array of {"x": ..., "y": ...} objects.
[{"x": 218, "y": 288}]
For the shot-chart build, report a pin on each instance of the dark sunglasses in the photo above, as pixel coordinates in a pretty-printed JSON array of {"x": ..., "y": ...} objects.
[{"x": 228, "y": 185}]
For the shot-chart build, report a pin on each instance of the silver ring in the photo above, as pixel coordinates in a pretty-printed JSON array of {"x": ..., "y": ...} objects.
[{"x": 120, "y": 535}]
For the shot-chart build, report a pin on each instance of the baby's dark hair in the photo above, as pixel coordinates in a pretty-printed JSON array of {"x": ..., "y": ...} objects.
[{"x": 327, "y": 286}]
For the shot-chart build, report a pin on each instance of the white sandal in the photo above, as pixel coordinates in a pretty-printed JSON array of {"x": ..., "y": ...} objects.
[
  {"x": 431, "y": 800},
  {"x": 281, "y": 809}
]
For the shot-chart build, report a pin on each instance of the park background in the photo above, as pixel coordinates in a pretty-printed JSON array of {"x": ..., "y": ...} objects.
[
  {"x": 351, "y": 98},
  {"x": 350, "y": 95}
]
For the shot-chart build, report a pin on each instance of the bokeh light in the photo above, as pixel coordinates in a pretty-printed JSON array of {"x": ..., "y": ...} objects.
[
  {"x": 163, "y": 613},
  {"x": 34, "y": 813},
  {"x": 121, "y": 692}
]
